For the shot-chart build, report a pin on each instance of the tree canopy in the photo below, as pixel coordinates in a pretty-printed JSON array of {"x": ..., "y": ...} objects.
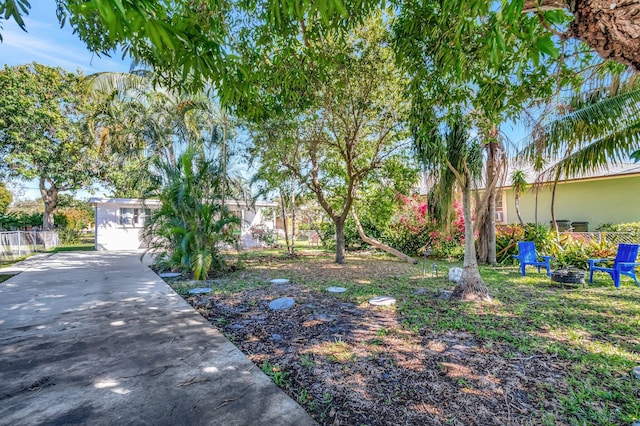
[
  {"x": 43, "y": 132},
  {"x": 351, "y": 124}
]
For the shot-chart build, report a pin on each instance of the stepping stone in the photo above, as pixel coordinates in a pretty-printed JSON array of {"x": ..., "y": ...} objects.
[
  {"x": 336, "y": 289},
  {"x": 455, "y": 274},
  {"x": 382, "y": 301},
  {"x": 200, "y": 290},
  {"x": 279, "y": 281},
  {"x": 170, "y": 275},
  {"x": 281, "y": 304},
  {"x": 636, "y": 372},
  {"x": 445, "y": 295}
]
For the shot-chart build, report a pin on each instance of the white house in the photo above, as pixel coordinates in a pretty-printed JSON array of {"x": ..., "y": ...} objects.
[{"x": 119, "y": 221}]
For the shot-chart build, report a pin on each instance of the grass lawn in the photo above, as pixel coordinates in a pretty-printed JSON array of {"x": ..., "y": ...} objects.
[{"x": 542, "y": 353}]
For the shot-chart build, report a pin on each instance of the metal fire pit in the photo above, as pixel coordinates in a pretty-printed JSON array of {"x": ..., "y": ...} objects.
[{"x": 568, "y": 276}]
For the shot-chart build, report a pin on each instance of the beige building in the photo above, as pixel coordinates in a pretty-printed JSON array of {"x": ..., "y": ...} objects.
[{"x": 609, "y": 196}]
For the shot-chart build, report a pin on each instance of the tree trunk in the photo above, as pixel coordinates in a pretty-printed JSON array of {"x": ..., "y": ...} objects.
[
  {"x": 50, "y": 200},
  {"x": 517, "y": 196},
  {"x": 471, "y": 287},
  {"x": 487, "y": 230},
  {"x": 293, "y": 217},
  {"x": 379, "y": 245},
  {"x": 553, "y": 207},
  {"x": 339, "y": 224},
  {"x": 284, "y": 222},
  {"x": 536, "y": 210},
  {"x": 610, "y": 27}
]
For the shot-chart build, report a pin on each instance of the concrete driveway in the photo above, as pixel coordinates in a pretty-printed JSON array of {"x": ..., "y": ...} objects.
[{"x": 97, "y": 338}]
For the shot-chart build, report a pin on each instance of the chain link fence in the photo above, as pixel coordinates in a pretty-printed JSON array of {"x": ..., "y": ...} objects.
[
  {"x": 609, "y": 237},
  {"x": 15, "y": 244}
]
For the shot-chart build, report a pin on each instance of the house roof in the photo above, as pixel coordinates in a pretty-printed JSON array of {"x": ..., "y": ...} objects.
[
  {"x": 611, "y": 171},
  {"x": 154, "y": 203},
  {"x": 123, "y": 201}
]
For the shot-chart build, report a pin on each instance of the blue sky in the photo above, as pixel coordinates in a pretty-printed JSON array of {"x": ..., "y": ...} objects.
[{"x": 46, "y": 43}]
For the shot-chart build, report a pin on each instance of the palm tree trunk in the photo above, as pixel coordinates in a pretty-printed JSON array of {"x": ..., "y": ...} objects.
[
  {"x": 518, "y": 210},
  {"x": 471, "y": 286},
  {"x": 553, "y": 207},
  {"x": 536, "y": 208}
]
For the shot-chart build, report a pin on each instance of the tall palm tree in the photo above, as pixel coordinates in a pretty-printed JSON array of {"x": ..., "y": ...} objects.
[{"x": 455, "y": 159}]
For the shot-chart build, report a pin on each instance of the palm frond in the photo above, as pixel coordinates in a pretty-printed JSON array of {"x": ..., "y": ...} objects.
[{"x": 604, "y": 130}]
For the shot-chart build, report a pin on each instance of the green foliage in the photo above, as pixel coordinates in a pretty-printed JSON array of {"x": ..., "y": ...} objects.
[
  {"x": 70, "y": 221},
  {"x": 6, "y": 197},
  {"x": 263, "y": 234},
  {"x": 43, "y": 117},
  {"x": 349, "y": 125},
  {"x": 20, "y": 221},
  {"x": 189, "y": 228},
  {"x": 508, "y": 236},
  {"x": 632, "y": 228},
  {"x": 279, "y": 377},
  {"x": 413, "y": 231},
  {"x": 566, "y": 249},
  {"x": 599, "y": 126}
]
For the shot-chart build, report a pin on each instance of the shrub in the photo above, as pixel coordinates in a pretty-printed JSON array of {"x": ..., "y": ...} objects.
[
  {"x": 70, "y": 222},
  {"x": 20, "y": 221},
  {"x": 189, "y": 227},
  {"x": 261, "y": 233},
  {"x": 411, "y": 230},
  {"x": 508, "y": 236}
]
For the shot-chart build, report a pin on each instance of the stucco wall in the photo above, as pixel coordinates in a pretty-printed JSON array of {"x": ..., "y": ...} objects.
[
  {"x": 608, "y": 200},
  {"x": 111, "y": 234}
]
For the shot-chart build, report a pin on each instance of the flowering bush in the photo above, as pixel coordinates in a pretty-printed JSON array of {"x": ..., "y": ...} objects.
[
  {"x": 412, "y": 231},
  {"x": 261, "y": 233},
  {"x": 70, "y": 221}
]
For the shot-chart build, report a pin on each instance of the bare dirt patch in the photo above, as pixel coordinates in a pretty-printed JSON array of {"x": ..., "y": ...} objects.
[{"x": 349, "y": 363}]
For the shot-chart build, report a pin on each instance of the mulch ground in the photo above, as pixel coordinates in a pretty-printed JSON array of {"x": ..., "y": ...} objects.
[{"x": 349, "y": 364}]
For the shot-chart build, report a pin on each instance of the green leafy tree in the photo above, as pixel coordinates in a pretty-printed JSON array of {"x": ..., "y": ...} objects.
[
  {"x": 351, "y": 124},
  {"x": 192, "y": 43},
  {"x": 43, "y": 131},
  {"x": 452, "y": 70},
  {"x": 596, "y": 127},
  {"x": 6, "y": 197}
]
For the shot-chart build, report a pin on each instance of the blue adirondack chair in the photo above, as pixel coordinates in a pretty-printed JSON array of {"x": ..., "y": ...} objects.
[
  {"x": 624, "y": 264},
  {"x": 527, "y": 256}
]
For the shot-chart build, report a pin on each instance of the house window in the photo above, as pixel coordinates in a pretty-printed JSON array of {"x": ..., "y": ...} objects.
[
  {"x": 146, "y": 217},
  {"x": 499, "y": 209},
  {"x": 131, "y": 216}
]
